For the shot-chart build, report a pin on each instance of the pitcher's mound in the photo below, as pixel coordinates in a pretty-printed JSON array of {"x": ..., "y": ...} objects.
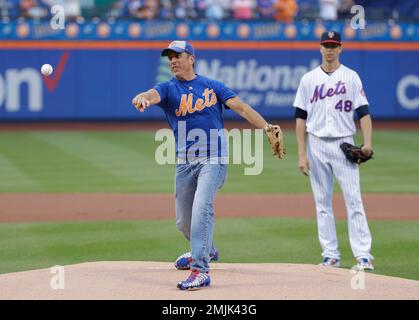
[{"x": 157, "y": 280}]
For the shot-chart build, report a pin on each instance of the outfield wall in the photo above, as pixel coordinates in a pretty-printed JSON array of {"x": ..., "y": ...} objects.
[
  {"x": 96, "y": 79},
  {"x": 99, "y": 84}
]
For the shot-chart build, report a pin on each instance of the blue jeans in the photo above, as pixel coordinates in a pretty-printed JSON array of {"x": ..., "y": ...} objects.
[{"x": 196, "y": 185}]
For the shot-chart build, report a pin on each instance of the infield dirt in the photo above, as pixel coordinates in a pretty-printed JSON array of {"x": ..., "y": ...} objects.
[{"x": 157, "y": 280}]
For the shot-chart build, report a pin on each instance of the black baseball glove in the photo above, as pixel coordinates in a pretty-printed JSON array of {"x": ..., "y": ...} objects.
[{"x": 354, "y": 153}]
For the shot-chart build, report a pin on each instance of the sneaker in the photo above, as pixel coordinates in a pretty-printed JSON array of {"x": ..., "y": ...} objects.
[
  {"x": 185, "y": 260},
  {"x": 364, "y": 264},
  {"x": 330, "y": 262},
  {"x": 195, "y": 281}
]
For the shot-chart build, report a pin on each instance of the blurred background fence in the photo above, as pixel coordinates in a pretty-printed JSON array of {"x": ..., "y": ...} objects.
[{"x": 108, "y": 51}]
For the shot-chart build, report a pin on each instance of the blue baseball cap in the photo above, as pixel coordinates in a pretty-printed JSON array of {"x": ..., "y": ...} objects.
[
  {"x": 331, "y": 37},
  {"x": 179, "y": 47}
]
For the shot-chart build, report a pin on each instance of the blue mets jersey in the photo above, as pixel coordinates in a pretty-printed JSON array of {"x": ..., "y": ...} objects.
[{"x": 194, "y": 111}]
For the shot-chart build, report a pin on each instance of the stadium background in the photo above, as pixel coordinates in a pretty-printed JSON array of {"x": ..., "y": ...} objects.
[{"x": 58, "y": 136}]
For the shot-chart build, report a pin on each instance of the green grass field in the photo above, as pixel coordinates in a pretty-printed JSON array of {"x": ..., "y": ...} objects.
[
  {"x": 250, "y": 240},
  {"x": 124, "y": 162}
]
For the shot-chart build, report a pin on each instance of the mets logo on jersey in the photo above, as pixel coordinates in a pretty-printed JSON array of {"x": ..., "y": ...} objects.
[
  {"x": 320, "y": 92},
  {"x": 186, "y": 101}
]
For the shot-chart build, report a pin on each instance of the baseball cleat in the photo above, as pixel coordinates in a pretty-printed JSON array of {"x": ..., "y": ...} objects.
[
  {"x": 330, "y": 262},
  {"x": 185, "y": 260},
  {"x": 364, "y": 264},
  {"x": 195, "y": 281}
]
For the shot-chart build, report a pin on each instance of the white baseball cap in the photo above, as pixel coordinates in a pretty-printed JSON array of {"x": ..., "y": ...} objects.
[{"x": 179, "y": 47}]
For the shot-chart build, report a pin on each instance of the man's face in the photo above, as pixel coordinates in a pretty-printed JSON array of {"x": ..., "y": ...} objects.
[
  {"x": 330, "y": 51},
  {"x": 180, "y": 63}
]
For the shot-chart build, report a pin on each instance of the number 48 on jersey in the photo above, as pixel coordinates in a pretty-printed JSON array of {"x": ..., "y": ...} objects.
[{"x": 344, "y": 105}]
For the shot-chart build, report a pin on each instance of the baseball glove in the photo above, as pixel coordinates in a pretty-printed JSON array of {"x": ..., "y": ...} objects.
[
  {"x": 354, "y": 153},
  {"x": 276, "y": 139}
]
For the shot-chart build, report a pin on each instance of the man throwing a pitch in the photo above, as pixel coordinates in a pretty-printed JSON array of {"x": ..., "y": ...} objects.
[
  {"x": 193, "y": 105},
  {"x": 326, "y": 100}
]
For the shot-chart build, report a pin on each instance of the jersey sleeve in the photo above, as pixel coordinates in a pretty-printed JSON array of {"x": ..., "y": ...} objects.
[
  {"x": 223, "y": 92},
  {"x": 359, "y": 94},
  {"x": 300, "y": 100},
  {"x": 163, "y": 89}
]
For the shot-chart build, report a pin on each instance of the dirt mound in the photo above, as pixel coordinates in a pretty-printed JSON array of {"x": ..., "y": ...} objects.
[{"x": 157, "y": 280}]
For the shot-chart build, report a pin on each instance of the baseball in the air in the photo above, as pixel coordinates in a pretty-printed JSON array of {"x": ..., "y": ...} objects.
[{"x": 46, "y": 69}]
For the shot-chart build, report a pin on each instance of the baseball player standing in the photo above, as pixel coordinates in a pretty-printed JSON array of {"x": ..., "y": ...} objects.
[
  {"x": 326, "y": 100},
  {"x": 193, "y": 102}
]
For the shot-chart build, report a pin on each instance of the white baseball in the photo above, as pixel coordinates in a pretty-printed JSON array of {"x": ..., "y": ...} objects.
[{"x": 46, "y": 69}]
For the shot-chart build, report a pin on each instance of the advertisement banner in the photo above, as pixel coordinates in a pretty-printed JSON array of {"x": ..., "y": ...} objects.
[
  {"x": 135, "y": 30},
  {"x": 99, "y": 84}
]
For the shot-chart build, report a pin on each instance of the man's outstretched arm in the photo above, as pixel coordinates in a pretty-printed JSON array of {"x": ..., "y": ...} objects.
[
  {"x": 247, "y": 112},
  {"x": 145, "y": 99}
]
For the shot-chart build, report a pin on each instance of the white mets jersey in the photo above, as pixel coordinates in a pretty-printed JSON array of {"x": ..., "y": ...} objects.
[{"x": 330, "y": 101}]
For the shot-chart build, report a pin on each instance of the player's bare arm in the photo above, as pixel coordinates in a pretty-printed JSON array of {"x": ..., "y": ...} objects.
[
  {"x": 247, "y": 112},
  {"x": 366, "y": 127},
  {"x": 145, "y": 99},
  {"x": 300, "y": 131},
  {"x": 273, "y": 132}
]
